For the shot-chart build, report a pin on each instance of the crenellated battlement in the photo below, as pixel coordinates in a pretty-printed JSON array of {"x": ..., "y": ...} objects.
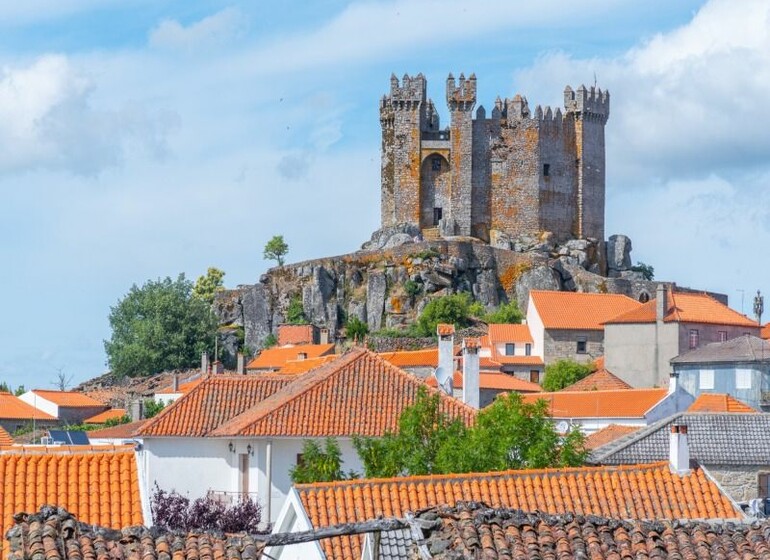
[
  {"x": 410, "y": 93},
  {"x": 461, "y": 96},
  {"x": 585, "y": 101}
]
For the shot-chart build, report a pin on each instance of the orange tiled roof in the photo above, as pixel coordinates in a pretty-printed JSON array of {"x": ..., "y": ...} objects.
[
  {"x": 444, "y": 329},
  {"x": 608, "y": 434},
  {"x": 121, "y": 431},
  {"x": 649, "y": 492},
  {"x": 216, "y": 400},
  {"x": 599, "y": 363},
  {"x": 765, "y": 332},
  {"x": 600, "y": 380},
  {"x": 13, "y": 408},
  {"x": 275, "y": 358},
  {"x": 501, "y": 333},
  {"x": 499, "y": 381},
  {"x": 295, "y": 334},
  {"x": 295, "y": 367},
  {"x": 360, "y": 393},
  {"x": 687, "y": 308},
  {"x": 99, "y": 487},
  {"x": 519, "y": 360},
  {"x": 5, "y": 438},
  {"x": 626, "y": 403},
  {"x": 718, "y": 402},
  {"x": 427, "y": 357},
  {"x": 578, "y": 310},
  {"x": 184, "y": 388},
  {"x": 102, "y": 417},
  {"x": 70, "y": 399}
]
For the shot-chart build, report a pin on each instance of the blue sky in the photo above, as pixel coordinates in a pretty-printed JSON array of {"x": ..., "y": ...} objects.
[{"x": 142, "y": 138}]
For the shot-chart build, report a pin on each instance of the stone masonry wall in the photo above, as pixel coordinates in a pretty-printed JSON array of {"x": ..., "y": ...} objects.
[
  {"x": 562, "y": 344},
  {"x": 740, "y": 482}
]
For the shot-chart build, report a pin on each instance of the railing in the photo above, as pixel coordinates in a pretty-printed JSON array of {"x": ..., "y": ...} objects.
[
  {"x": 230, "y": 498},
  {"x": 436, "y": 135}
]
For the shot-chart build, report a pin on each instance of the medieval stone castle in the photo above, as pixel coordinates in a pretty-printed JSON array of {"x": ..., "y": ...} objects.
[{"x": 518, "y": 173}]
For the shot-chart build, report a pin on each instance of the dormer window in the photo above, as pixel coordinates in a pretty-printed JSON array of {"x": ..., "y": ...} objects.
[{"x": 510, "y": 348}]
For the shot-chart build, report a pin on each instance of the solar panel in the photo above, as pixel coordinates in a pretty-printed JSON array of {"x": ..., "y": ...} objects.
[
  {"x": 78, "y": 438},
  {"x": 58, "y": 436},
  {"x": 65, "y": 437}
]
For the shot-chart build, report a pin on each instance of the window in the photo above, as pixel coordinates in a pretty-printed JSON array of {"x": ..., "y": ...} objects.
[
  {"x": 528, "y": 349},
  {"x": 534, "y": 376},
  {"x": 694, "y": 339},
  {"x": 582, "y": 345},
  {"x": 546, "y": 169},
  {"x": 764, "y": 485},
  {"x": 510, "y": 348},
  {"x": 722, "y": 335},
  {"x": 706, "y": 379},
  {"x": 300, "y": 459},
  {"x": 435, "y": 164},
  {"x": 743, "y": 379},
  {"x": 438, "y": 213}
]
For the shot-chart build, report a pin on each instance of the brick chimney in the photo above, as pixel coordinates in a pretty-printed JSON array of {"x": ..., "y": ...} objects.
[
  {"x": 446, "y": 363},
  {"x": 661, "y": 302},
  {"x": 471, "y": 395},
  {"x": 679, "y": 450},
  {"x": 241, "y": 367}
]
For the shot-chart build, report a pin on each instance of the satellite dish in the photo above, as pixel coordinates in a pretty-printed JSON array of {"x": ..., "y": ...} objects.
[{"x": 562, "y": 427}]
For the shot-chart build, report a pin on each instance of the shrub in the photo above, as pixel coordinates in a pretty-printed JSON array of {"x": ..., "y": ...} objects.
[
  {"x": 455, "y": 309},
  {"x": 506, "y": 313},
  {"x": 356, "y": 329},
  {"x": 564, "y": 373},
  {"x": 412, "y": 288},
  {"x": 270, "y": 341},
  {"x": 152, "y": 407},
  {"x": 295, "y": 314}
]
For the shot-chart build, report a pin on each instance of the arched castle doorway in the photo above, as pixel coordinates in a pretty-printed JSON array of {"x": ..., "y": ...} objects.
[{"x": 435, "y": 190}]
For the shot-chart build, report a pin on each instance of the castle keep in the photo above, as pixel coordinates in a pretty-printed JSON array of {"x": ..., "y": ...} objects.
[{"x": 516, "y": 173}]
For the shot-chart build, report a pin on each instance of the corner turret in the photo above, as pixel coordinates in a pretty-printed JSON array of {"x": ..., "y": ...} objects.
[
  {"x": 461, "y": 96},
  {"x": 586, "y": 102}
]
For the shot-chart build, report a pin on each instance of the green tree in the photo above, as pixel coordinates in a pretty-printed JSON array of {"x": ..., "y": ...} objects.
[
  {"x": 295, "y": 313},
  {"x": 648, "y": 272},
  {"x": 356, "y": 329},
  {"x": 159, "y": 326},
  {"x": 455, "y": 309},
  {"x": 20, "y": 390},
  {"x": 505, "y": 313},
  {"x": 207, "y": 285},
  {"x": 564, "y": 373},
  {"x": 152, "y": 407},
  {"x": 270, "y": 341},
  {"x": 276, "y": 249},
  {"x": 317, "y": 464},
  {"x": 125, "y": 419},
  {"x": 5, "y": 388}
]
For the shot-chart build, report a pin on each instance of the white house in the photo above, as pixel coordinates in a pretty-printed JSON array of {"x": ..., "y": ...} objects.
[
  {"x": 240, "y": 435},
  {"x": 69, "y": 407}
]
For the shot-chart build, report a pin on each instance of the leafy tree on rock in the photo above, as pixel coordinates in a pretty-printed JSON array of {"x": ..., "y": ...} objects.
[
  {"x": 506, "y": 313},
  {"x": 207, "y": 285},
  {"x": 564, "y": 373},
  {"x": 455, "y": 309},
  {"x": 159, "y": 326},
  {"x": 295, "y": 313},
  {"x": 276, "y": 249},
  {"x": 356, "y": 329}
]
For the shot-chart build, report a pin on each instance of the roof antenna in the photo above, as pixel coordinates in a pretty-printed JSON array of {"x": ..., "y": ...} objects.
[{"x": 594, "y": 79}]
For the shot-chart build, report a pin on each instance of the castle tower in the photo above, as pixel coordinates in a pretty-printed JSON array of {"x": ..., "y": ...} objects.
[
  {"x": 403, "y": 114},
  {"x": 461, "y": 98},
  {"x": 589, "y": 110}
]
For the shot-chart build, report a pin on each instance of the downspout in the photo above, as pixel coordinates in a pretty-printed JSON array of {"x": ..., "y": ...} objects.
[{"x": 269, "y": 474}]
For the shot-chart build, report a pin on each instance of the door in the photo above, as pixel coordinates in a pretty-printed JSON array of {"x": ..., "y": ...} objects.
[
  {"x": 437, "y": 215},
  {"x": 243, "y": 474}
]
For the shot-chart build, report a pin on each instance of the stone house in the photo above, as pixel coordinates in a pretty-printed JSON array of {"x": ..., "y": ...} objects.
[
  {"x": 509, "y": 348},
  {"x": 571, "y": 324},
  {"x": 733, "y": 448},
  {"x": 68, "y": 407},
  {"x": 15, "y": 414},
  {"x": 640, "y": 344},
  {"x": 273, "y": 359},
  {"x": 739, "y": 367}
]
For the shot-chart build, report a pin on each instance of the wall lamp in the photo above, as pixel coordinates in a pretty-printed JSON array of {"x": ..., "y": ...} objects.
[
  {"x": 249, "y": 449},
  {"x": 231, "y": 447}
]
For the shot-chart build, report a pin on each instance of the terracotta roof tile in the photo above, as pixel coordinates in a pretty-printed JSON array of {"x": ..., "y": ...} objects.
[
  {"x": 294, "y": 367},
  {"x": 765, "y": 332},
  {"x": 184, "y": 387},
  {"x": 101, "y": 487},
  {"x": 578, "y": 310},
  {"x": 427, "y": 357},
  {"x": 5, "y": 438},
  {"x": 608, "y": 434},
  {"x": 519, "y": 360},
  {"x": 501, "y": 333},
  {"x": 121, "y": 431},
  {"x": 638, "y": 492},
  {"x": 276, "y": 357},
  {"x": 13, "y": 408},
  {"x": 686, "y": 308},
  {"x": 295, "y": 334},
  {"x": 216, "y": 400},
  {"x": 626, "y": 403},
  {"x": 360, "y": 393},
  {"x": 718, "y": 402},
  {"x": 499, "y": 381},
  {"x": 443, "y": 329},
  {"x": 600, "y": 380},
  {"x": 102, "y": 417},
  {"x": 69, "y": 399}
]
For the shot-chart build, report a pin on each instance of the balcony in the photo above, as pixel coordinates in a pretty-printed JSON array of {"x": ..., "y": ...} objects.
[{"x": 230, "y": 498}]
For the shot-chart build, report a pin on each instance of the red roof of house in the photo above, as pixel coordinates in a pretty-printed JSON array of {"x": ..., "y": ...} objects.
[
  {"x": 13, "y": 408},
  {"x": 275, "y": 358},
  {"x": 183, "y": 388},
  {"x": 295, "y": 334},
  {"x": 502, "y": 333},
  {"x": 498, "y": 381},
  {"x": 651, "y": 492},
  {"x": 427, "y": 357},
  {"x": 718, "y": 402},
  {"x": 765, "y": 332},
  {"x": 608, "y": 434},
  {"x": 578, "y": 310},
  {"x": 102, "y": 417},
  {"x": 360, "y": 393},
  {"x": 121, "y": 431},
  {"x": 69, "y": 399},
  {"x": 295, "y": 367},
  {"x": 686, "y": 308},
  {"x": 626, "y": 403},
  {"x": 600, "y": 380},
  {"x": 5, "y": 438}
]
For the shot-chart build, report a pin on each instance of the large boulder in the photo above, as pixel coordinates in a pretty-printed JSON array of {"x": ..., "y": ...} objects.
[
  {"x": 538, "y": 278},
  {"x": 256, "y": 315},
  {"x": 618, "y": 253},
  {"x": 375, "y": 299},
  {"x": 398, "y": 234}
]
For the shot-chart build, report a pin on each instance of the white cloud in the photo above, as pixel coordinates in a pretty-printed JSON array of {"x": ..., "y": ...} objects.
[
  {"x": 47, "y": 121},
  {"x": 215, "y": 29}
]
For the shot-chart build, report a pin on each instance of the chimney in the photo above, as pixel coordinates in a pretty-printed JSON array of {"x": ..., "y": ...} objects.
[
  {"x": 204, "y": 363},
  {"x": 471, "y": 372},
  {"x": 136, "y": 410},
  {"x": 679, "y": 451},
  {"x": 673, "y": 382},
  {"x": 323, "y": 337},
  {"x": 175, "y": 383},
  {"x": 217, "y": 368},
  {"x": 241, "y": 367},
  {"x": 302, "y": 356},
  {"x": 661, "y": 302},
  {"x": 446, "y": 363}
]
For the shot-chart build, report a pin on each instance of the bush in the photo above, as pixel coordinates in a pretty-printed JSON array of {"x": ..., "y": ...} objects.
[
  {"x": 455, "y": 309},
  {"x": 318, "y": 465},
  {"x": 356, "y": 329},
  {"x": 564, "y": 373},
  {"x": 295, "y": 314},
  {"x": 152, "y": 407},
  {"x": 506, "y": 313},
  {"x": 648, "y": 272},
  {"x": 125, "y": 419},
  {"x": 270, "y": 341},
  {"x": 412, "y": 288}
]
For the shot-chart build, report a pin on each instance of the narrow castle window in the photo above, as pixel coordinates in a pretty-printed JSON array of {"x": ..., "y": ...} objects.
[
  {"x": 435, "y": 164},
  {"x": 546, "y": 169}
]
